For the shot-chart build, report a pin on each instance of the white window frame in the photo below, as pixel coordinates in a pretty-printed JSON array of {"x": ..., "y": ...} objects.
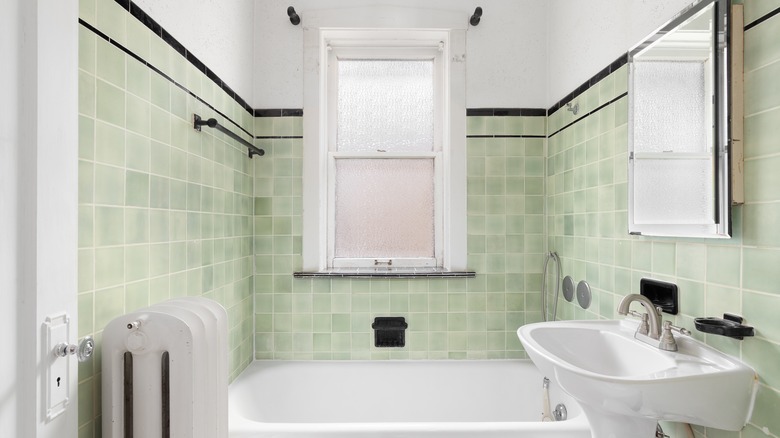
[
  {"x": 363, "y": 47},
  {"x": 385, "y": 38}
]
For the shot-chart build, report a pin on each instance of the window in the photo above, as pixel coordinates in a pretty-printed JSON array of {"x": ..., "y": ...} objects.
[{"x": 379, "y": 189}]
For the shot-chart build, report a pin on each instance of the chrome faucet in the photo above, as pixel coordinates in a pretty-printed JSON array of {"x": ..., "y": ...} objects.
[{"x": 654, "y": 331}]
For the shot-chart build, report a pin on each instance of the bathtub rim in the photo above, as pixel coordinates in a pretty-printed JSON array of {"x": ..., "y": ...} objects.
[{"x": 240, "y": 425}]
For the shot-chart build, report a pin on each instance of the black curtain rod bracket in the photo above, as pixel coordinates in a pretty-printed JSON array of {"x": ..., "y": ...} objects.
[
  {"x": 295, "y": 19},
  {"x": 474, "y": 20},
  {"x": 198, "y": 122}
]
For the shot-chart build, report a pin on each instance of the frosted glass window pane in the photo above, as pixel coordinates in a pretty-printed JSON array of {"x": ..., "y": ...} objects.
[
  {"x": 673, "y": 192},
  {"x": 385, "y": 105},
  {"x": 384, "y": 208},
  {"x": 669, "y": 113}
]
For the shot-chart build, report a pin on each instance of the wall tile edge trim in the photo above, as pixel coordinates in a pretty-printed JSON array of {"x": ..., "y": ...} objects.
[
  {"x": 158, "y": 71},
  {"x": 606, "y": 71},
  {"x": 760, "y": 20},
  {"x": 158, "y": 30}
]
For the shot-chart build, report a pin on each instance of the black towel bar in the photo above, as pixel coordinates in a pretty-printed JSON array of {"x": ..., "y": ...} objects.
[{"x": 212, "y": 123}]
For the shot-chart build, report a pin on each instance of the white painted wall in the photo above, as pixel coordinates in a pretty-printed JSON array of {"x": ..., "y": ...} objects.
[
  {"x": 505, "y": 54},
  {"x": 220, "y": 33},
  {"x": 585, "y": 36},
  {"x": 10, "y": 52},
  {"x": 38, "y": 205}
]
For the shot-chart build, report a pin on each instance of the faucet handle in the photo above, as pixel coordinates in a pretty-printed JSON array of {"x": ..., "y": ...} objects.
[
  {"x": 680, "y": 330},
  {"x": 667, "y": 342}
]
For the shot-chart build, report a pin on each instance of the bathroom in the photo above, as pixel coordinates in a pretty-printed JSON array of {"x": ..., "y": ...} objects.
[{"x": 134, "y": 206}]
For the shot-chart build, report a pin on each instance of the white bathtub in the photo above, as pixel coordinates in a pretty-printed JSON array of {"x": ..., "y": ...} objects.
[{"x": 377, "y": 399}]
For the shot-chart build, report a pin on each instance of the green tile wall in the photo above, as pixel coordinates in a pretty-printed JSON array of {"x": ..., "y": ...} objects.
[
  {"x": 164, "y": 211},
  {"x": 587, "y": 224},
  {"x": 455, "y": 318}
]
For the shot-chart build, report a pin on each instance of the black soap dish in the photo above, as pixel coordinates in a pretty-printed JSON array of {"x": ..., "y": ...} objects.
[{"x": 730, "y": 326}]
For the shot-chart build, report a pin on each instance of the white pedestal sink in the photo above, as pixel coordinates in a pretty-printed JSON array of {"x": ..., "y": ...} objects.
[{"x": 625, "y": 386}]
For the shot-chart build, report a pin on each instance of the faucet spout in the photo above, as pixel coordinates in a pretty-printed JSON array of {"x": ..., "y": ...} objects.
[{"x": 652, "y": 313}]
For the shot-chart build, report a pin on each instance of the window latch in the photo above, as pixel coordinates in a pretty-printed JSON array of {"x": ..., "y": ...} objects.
[{"x": 388, "y": 262}]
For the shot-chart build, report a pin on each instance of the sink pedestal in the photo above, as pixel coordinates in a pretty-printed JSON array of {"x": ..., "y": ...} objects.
[{"x": 606, "y": 425}]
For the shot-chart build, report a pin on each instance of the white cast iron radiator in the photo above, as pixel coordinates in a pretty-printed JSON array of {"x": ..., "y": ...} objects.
[{"x": 165, "y": 371}]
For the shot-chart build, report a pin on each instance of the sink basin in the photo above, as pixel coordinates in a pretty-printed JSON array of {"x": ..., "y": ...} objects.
[{"x": 625, "y": 386}]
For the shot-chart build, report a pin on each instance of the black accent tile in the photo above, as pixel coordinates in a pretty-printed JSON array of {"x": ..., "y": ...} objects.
[
  {"x": 214, "y": 78},
  {"x": 173, "y": 42},
  {"x": 196, "y": 62},
  {"x": 488, "y": 112},
  {"x": 125, "y": 4},
  {"x": 292, "y": 112},
  {"x": 479, "y": 112},
  {"x": 267, "y": 112}
]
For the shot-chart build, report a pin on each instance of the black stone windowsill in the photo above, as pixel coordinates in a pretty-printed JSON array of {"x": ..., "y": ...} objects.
[{"x": 384, "y": 272}]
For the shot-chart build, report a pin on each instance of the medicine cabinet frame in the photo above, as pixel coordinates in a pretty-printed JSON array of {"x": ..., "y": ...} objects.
[{"x": 656, "y": 197}]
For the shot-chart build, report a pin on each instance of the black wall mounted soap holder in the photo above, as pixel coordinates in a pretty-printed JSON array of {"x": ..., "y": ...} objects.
[{"x": 730, "y": 325}]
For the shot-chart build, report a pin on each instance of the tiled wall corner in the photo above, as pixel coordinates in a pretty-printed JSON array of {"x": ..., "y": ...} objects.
[
  {"x": 164, "y": 211},
  {"x": 448, "y": 318},
  {"x": 587, "y": 224}
]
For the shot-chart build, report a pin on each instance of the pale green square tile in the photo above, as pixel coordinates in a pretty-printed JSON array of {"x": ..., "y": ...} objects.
[
  {"x": 759, "y": 224},
  {"x": 110, "y": 63},
  {"x": 136, "y": 263},
  {"x": 159, "y": 192},
  {"x": 159, "y": 259},
  {"x": 86, "y": 310},
  {"x": 494, "y": 125},
  {"x": 160, "y": 125},
  {"x": 641, "y": 255},
  {"x": 136, "y": 225},
  {"x": 136, "y": 296},
  {"x": 476, "y": 125},
  {"x": 762, "y": 179},
  {"x": 179, "y": 106},
  {"x": 762, "y": 355},
  {"x": 87, "y": 93},
  {"x": 136, "y": 189},
  {"x": 760, "y": 270},
  {"x": 109, "y": 185},
  {"x": 109, "y": 144},
  {"x": 87, "y": 50},
  {"x": 723, "y": 265},
  {"x": 110, "y": 103},
  {"x": 691, "y": 261},
  {"x": 760, "y": 311},
  {"x": 722, "y": 300},
  {"x": 109, "y": 269},
  {"x": 664, "y": 260},
  {"x": 177, "y": 164},
  {"x": 534, "y": 125},
  {"x": 691, "y": 297},
  {"x": 138, "y": 36},
  {"x": 137, "y": 152},
  {"x": 760, "y": 95},
  {"x": 138, "y": 112},
  {"x": 513, "y": 125},
  {"x": 760, "y": 134},
  {"x": 86, "y": 182},
  {"x": 111, "y": 20},
  {"x": 86, "y": 226},
  {"x": 159, "y": 91}
]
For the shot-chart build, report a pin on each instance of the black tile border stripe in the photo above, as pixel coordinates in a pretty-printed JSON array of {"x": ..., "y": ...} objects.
[
  {"x": 158, "y": 71},
  {"x": 762, "y": 19},
  {"x": 584, "y": 116},
  {"x": 278, "y": 137},
  {"x": 606, "y": 71},
  {"x": 278, "y": 112},
  {"x": 158, "y": 30},
  {"x": 505, "y": 136},
  {"x": 528, "y": 112}
]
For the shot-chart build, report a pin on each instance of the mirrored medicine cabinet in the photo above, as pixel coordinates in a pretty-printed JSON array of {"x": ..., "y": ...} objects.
[{"x": 680, "y": 130}]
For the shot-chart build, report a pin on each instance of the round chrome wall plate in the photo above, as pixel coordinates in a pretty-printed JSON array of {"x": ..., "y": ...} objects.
[
  {"x": 568, "y": 288},
  {"x": 583, "y": 294}
]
